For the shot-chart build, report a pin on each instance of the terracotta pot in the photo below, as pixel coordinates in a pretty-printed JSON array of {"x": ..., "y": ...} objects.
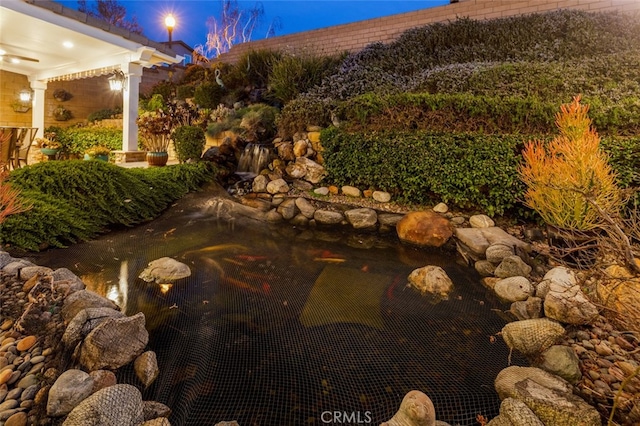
[{"x": 157, "y": 158}]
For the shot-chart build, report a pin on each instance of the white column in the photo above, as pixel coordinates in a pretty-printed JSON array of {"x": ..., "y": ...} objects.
[
  {"x": 37, "y": 109},
  {"x": 130, "y": 106}
]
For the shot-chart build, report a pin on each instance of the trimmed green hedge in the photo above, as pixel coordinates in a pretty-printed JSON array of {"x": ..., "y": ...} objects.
[
  {"x": 74, "y": 200},
  {"x": 465, "y": 170},
  {"x": 76, "y": 140}
]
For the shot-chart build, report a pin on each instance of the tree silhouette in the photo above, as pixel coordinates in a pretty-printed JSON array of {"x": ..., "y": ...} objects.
[{"x": 112, "y": 12}]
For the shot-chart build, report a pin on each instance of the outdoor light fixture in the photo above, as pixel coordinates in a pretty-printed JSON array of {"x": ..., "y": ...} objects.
[
  {"x": 25, "y": 95},
  {"x": 116, "y": 81},
  {"x": 170, "y": 22}
]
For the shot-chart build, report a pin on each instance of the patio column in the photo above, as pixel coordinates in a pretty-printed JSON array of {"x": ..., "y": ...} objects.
[
  {"x": 37, "y": 109},
  {"x": 130, "y": 106}
]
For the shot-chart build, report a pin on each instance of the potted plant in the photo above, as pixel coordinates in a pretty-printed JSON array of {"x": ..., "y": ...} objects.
[
  {"x": 61, "y": 95},
  {"x": 61, "y": 113},
  {"x": 97, "y": 152},
  {"x": 155, "y": 132},
  {"x": 21, "y": 106},
  {"x": 48, "y": 145},
  {"x": 571, "y": 185},
  {"x": 189, "y": 142}
]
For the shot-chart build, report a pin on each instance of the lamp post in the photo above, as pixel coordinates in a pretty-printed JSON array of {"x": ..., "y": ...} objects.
[{"x": 170, "y": 22}]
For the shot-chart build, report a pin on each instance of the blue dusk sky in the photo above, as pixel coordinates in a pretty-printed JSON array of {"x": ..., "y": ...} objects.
[{"x": 293, "y": 15}]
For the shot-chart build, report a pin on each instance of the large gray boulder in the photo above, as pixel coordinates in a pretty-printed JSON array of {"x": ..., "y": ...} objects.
[
  {"x": 569, "y": 305},
  {"x": 361, "y": 218},
  {"x": 69, "y": 390},
  {"x": 165, "y": 270},
  {"x": 527, "y": 309},
  {"x": 83, "y": 299},
  {"x": 64, "y": 274},
  {"x": 85, "y": 321},
  {"x": 327, "y": 217},
  {"x": 305, "y": 207},
  {"x": 505, "y": 381},
  {"x": 532, "y": 336},
  {"x": 314, "y": 171},
  {"x": 512, "y": 266},
  {"x": 114, "y": 343},
  {"x": 288, "y": 209},
  {"x": 474, "y": 242},
  {"x": 554, "y": 407},
  {"x": 518, "y": 413},
  {"x": 117, "y": 405},
  {"x": 146, "y": 367},
  {"x": 561, "y": 361},
  {"x": 497, "y": 252},
  {"x": 514, "y": 288}
]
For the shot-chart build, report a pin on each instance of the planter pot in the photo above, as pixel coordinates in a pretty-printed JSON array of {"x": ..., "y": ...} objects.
[
  {"x": 578, "y": 249},
  {"x": 49, "y": 151},
  {"x": 96, "y": 157},
  {"x": 157, "y": 158}
]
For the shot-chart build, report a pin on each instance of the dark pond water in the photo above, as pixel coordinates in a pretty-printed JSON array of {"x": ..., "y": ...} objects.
[{"x": 282, "y": 326}]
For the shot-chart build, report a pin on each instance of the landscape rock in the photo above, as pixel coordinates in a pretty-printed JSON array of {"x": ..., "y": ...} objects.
[
  {"x": 83, "y": 299},
  {"x": 68, "y": 391},
  {"x": 518, "y": 413},
  {"x": 556, "y": 408},
  {"x": 497, "y": 252},
  {"x": 361, "y": 218},
  {"x": 431, "y": 279},
  {"x": 441, "y": 208},
  {"x": 259, "y": 184},
  {"x": 278, "y": 186},
  {"x": 424, "y": 228},
  {"x": 120, "y": 404},
  {"x": 381, "y": 196},
  {"x": 323, "y": 190},
  {"x": 153, "y": 409},
  {"x": 484, "y": 268},
  {"x": 305, "y": 207},
  {"x": 64, "y": 274},
  {"x": 351, "y": 191},
  {"x": 514, "y": 289},
  {"x": 85, "y": 321},
  {"x": 327, "y": 217},
  {"x": 527, "y": 309},
  {"x": 160, "y": 421},
  {"x": 416, "y": 409},
  {"x": 569, "y": 305},
  {"x": 532, "y": 336},
  {"x": 288, "y": 209},
  {"x": 114, "y": 343},
  {"x": 102, "y": 379},
  {"x": 481, "y": 221},
  {"x": 146, "y": 367},
  {"x": 561, "y": 361},
  {"x": 314, "y": 171},
  {"x": 474, "y": 242},
  {"x": 512, "y": 266},
  {"x": 165, "y": 270},
  {"x": 507, "y": 378}
]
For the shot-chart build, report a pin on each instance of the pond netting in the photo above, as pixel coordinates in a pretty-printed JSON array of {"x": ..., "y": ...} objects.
[{"x": 276, "y": 327}]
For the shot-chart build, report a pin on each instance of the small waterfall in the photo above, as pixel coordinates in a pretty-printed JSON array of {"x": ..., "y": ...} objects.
[{"x": 254, "y": 158}]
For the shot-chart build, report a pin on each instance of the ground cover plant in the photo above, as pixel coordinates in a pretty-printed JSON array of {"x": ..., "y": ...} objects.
[{"x": 74, "y": 200}]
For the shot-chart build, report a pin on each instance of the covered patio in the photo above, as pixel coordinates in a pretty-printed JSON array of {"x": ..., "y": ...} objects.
[{"x": 48, "y": 43}]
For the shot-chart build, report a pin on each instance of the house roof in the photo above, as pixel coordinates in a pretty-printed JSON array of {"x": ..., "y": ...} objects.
[{"x": 37, "y": 30}]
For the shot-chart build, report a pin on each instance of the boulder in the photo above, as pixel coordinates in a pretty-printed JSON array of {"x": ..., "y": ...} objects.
[
  {"x": 556, "y": 408},
  {"x": 513, "y": 289},
  {"x": 424, "y": 228},
  {"x": 116, "y": 405},
  {"x": 299, "y": 220},
  {"x": 288, "y": 209},
  {"x": 85, "y": 321},
  {"x": 507, "y": 378},
  {"x": 562, "y": 276},
  {"x": 153, "y": 409},
  {"x": 327, "y": 217},
  {"x": 416, "y": 409},
  {"x": 441, "y": 208},
  {"x": 165, "y": 270},
  {"x": 64, "y": 274},
  {"x": 389, "y": 219},
  {"x": 102, "y": 379},
  {"x": 160, "y": 421},
  {"x": 259, "y": 184},
  {"x": 114, "y": 343},
  {"x": 83, "y": 299},
  {"x": 474, "y": 242},
  {"x": 69, "y": 390},
  {"x": 431, "y": 279},
  {"x": 512, "y": 266},
  {"x": 300, "y": 148},
  {"x": 527, "y": 309},
  {"x": 285, "y": 151},
  {"x": 296, "y": 171},
  {"x": 323, "y": 190},
  {"x": 497, "y": 252},
  {"x": 561, "y": 361},
  {"x": 484, "y": 268},
  {"x": 146, "y": 367},
  {"x": 532, "y": 336},
  {"x": 277, "y": 186},
  {"x": 314, "y": 171},
  {"x": 31, "y": 271},
  {"x": 305, "y": 207},
  {"x": 361, "y": 218},
  {"x": 481, "y": 221},
  {"x": 518, "y": 413},
  {"x": 569, "y": 305}
]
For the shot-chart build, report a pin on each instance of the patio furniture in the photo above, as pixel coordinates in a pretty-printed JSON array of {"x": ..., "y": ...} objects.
[
  {"x": 24, "y": 140},
  {"x": 7, "y": 146}
]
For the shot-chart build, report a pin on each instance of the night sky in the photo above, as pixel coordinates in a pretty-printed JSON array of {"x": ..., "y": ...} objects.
[{"x": 293, "y": 15}]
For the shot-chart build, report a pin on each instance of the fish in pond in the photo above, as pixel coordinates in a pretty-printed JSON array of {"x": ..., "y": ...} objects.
[
  {"x": 393, "y": 286},
  {"x": 250, "y": 258},
  {"x": 239, "y": 284},
  {"x": 330, "y": 259},
  {"x": 217, "y": 247}
]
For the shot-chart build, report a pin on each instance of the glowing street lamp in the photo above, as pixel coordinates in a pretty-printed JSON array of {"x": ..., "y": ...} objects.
[{"x": 170, "y": 22}]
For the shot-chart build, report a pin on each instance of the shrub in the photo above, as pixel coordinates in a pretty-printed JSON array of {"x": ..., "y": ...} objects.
[
  {"x": 165, "y": 88},
  {"x": 76, "y": 140},
  {"x": 104, "y": 114},
  {"x": 465, "y": 170},
  {"x": 73, "y": 200},
  {"x": 254, "y": 123},
  {"x": 208, "y": 95},
  {"x": 566, "y": 177},
  {"x": 185, "y": 91},
  {"x": 189, "y": 142}
]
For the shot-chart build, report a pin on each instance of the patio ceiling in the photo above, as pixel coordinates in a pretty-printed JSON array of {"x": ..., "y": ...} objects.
[{"x": 41, "y": 30}]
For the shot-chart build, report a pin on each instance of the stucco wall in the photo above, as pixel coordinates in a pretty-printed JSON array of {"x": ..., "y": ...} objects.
[{"x": 355, "y": 36}]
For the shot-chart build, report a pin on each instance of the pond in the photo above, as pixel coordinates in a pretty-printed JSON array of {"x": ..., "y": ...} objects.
[{"x": 284, "y": 326}]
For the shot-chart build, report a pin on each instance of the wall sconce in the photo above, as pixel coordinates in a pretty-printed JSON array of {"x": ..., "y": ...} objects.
[
  {"x": 25, "y": 95},
  {"x": 117, "y": 81}
]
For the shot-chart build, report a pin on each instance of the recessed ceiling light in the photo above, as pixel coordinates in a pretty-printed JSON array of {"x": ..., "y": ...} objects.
[
  {"x": 67, "y": 44},
  {"x": 15, "y": 61}
]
